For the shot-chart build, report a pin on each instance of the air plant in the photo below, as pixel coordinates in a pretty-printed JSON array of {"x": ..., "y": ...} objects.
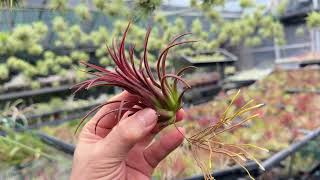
[
  {"x": 160, "y": 91},
  {"x": 160, "y": 94},
  {"x": 209, "y": 139},
  {"x": 14, "y": 114},
  {"x": 17, "y": 148}
]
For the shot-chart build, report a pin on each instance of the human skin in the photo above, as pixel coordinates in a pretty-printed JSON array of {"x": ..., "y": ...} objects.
[{"x": 125, "y": 149}]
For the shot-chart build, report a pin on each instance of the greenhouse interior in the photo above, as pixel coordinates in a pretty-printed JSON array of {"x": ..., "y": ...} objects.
[{"x": 160, "y": 89}]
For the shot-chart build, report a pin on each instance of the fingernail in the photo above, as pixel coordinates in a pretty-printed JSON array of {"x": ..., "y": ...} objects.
[{"x": 149, "y": 117}]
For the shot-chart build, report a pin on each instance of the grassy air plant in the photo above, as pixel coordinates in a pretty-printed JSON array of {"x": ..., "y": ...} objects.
[
  {"x": 209, "y": 139},
  {"x": 160, "y": 91}
]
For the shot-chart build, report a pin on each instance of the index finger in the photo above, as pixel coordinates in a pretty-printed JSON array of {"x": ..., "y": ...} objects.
[{"x": 107, "y": 122}]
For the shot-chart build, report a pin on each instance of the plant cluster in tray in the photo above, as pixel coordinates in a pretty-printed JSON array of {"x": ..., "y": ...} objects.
[
  {"x": 23, "y": 153},
  {"x": 216, "y": 57},
  {"x": 21, "y": 148},
  {"x": 57, "y": 104},
  {"x": 54, "y": 109},
  {"x": 18, "y": 148},
  {"x": 202, "y": 79}
]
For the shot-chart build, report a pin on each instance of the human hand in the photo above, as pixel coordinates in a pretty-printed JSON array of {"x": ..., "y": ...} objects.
[{"x": 122, "y": 150}]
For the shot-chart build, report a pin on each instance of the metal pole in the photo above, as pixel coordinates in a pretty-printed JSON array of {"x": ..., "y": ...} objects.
[
  {"x": 277, "y": 52},
  {"x": 315, "y": 4},
  {"x": 312, "y": 40}
]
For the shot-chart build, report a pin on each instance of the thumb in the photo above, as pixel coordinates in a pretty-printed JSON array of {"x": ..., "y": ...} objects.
[{"x": 129, "y": 131}]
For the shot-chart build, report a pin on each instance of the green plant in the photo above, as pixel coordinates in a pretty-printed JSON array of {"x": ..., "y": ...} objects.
[
  {"x": 252, "y": 22},
  {"x": 313, "y": 19},
  {"x": 64, "y": 33},
  {"x": 40, "y": 28},
  {"x": 64, "y": 60},
  {"x": 26, "y": 38},
  {"x": 100, "y": 36},
  {"x": 247, "y": 3},
  {"x": 300, "y": 31},
  {"x": 83, "y": 12},
  {"x": 281, "y": 7},
  {"x": 58, "y": 4},
  {"x": 18, "y": 148},
  {"x": 197, "y": 30},
  {"x": 100, "y": 52},
  {"x": 3, "y": 41},
  {"x": 12, "y": 112},
  {"x": 59, "y": 24},
  {"x": 116, "y": 8},
  {"x": 161, "y": 96},
  {"x": 35, "y": 85},
  {"x": 161, "y": 20},
  {"x": 253, "y": 41},
  {"x": 10, "y": 3},
  {"x": 78, "y": 56},
  {"x": 35, "y": 49},
  {"x": 22, "y": 66},
  {"x": 100, "y": 4},
  {"x": 4, "y": 73},
  {"x": 105, "y": 61},
  {"x": 142, "y": 8}
]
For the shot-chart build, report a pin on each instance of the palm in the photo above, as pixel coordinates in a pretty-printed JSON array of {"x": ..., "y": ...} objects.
[
  {"x": 137, "y": 165},
  {"x": 96, "y": 156}
]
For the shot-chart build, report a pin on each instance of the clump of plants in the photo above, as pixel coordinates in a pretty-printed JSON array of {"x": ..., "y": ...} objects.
[
  {"x": 4, "y": 73},
  {"x": 17, "y": 148},
  {"x": 161, "y": 92}
]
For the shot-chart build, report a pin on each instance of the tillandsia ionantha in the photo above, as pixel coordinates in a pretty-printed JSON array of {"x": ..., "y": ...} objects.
[{"x": 160, "y": 91}]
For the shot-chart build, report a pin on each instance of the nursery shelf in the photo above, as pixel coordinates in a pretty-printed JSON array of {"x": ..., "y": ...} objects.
[
  {"x": 45, "y": 94},
  {"x": 56, "y": 143},
  {"x": 61, "y": 115},
  {"x": 219, "y": 64},
  {"x": 250, "y": 75},
  {"x": 202, "y": 94},
  {"x": 227, "y": 58},
  {"x": 31, "y": 93},
  {"x": 297, "y": 90},
  {"x": 310, "y": 58}
]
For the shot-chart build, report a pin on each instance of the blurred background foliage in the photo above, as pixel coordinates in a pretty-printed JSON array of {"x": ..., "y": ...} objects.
[
  {"x": 69, "y": 35},
  {"x": 43, "y": 46}
]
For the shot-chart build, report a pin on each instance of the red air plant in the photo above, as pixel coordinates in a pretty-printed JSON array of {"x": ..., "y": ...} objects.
[{"x": 159, "y": 93}]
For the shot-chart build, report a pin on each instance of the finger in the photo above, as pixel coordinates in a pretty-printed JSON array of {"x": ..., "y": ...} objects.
[
  {"x": 108, "y": 121},
  {"x": 128, "y": 132},
  {"x": 165, "y": 145},
  {"x": 179, "y": 117}
]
